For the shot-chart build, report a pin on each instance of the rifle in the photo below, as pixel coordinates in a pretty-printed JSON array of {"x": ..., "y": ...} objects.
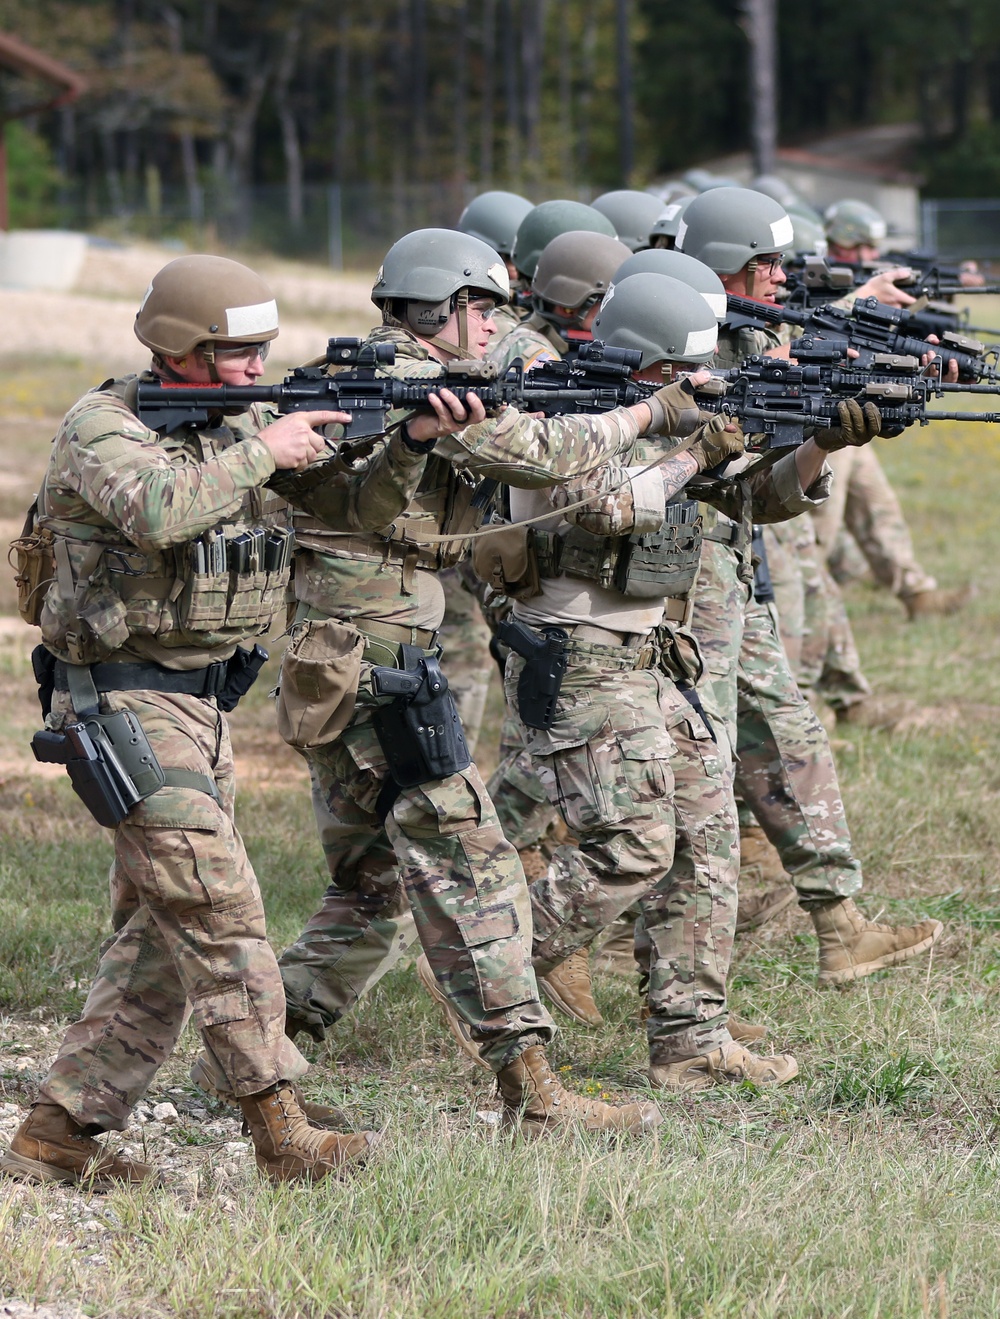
[
  {"x": 778, "y": 399},
  {"x": 871, "y": 328},
  {"x": 811, "y": 281},
  {"x": 597, "y": 380}
]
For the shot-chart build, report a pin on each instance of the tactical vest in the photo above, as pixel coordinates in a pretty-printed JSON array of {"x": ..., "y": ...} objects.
[
  {"x": 655, "y": 565},
  {"x": 208, "y": 593},
  {"x": 448, "y": 501}
]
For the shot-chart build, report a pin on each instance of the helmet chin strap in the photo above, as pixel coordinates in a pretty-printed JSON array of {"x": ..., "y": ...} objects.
[
  {"x": 751, "y": 276},
  {"x": 208, "y": 354},
  {"x": 461, "y": 349}
]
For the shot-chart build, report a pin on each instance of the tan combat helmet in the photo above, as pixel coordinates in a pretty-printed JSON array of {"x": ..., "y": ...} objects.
[
  {"x": 575, "y": 271},
  {"x": 430, "y": 273},
  {"x": 197, "y": 301}
]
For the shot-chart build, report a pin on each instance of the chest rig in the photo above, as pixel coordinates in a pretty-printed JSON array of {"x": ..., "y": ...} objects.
[
  {"x": 214, "y": 591},
  {"x": 650, "y": 566}
]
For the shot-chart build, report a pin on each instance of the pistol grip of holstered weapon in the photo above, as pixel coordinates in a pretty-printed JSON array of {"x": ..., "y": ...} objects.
[{"x": 540, "y": 681}]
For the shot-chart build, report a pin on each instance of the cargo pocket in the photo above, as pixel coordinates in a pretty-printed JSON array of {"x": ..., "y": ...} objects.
[
  {"x": 645, "y": 758},
  {"x": 493, "y": 939},
  {"x": 218, "y": 1007}
]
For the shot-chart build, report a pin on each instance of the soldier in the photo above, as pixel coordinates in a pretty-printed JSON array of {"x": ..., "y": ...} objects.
[
  {"x": 141, "y": 627},
  {"x": 863, "y": 501},
  {"x": 572, "y": 276},
  {"x": 785, "y": 769},
  {"x": 436, "y": 842},
  {"x": 494, "y": 218},
  {"x": 632, "y": 213}
]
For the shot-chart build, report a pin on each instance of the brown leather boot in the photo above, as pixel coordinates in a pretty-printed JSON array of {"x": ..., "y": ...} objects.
[
  {"x": 536, "y": 1104},
  {"x": 727, "y": 1065},
  {"x": 49, "y": 1146},
  {"x": 926, "y": 604},
  {"x": 458, "y": 1027},
  {"x": 568, "y": 986},
  {"x": 754, "y": 909},
  {"x": 324, "y": 1117},
  {"x": 851, "y": 947},
  {"x": 288, "y": 1148}
]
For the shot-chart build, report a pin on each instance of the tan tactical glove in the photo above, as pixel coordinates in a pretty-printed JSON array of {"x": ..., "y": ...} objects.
[
  {"x": 675, "y": 411},
  {"x": 715, "y": 444},
  {"x": 857, "y": 426}
]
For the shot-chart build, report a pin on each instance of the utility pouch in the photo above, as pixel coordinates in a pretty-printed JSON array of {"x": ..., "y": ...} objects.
[
  {"x": 241, "y": 674},
  {"x": 318, "y": 687},
  {"x": 111, "y": 765},
  {"x": 665, "y": 562},
  {"x": 32, "y": 556},
  {"x": 419, "y": 730},
  {"x": 541, "y": 678},
  {"x": 507, "y": 562}
]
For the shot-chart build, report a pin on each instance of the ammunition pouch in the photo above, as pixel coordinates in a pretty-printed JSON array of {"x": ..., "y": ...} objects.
[
  {"x": 540, "y": 680},
  {"x": 652, "y": 566},
  {"x": 419, "y": 730},
  {"x": 32, "y": 556}
]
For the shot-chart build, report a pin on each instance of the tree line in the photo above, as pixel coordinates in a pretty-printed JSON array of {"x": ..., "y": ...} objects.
[{"x": 512, "y": 93}]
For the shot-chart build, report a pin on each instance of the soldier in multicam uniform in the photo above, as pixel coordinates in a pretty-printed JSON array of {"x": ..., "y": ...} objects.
[
  {"x": 439, "y": 844},
  {"x": 862, "y": 498},
  {"x": 785, "y": 769},
  {"x": 133, "y": 622}
]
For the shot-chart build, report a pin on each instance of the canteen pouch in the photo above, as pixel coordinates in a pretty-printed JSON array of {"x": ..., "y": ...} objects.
[
  {"x": 507, "y": 562},
  {"x": 32, "y": 556},
  {"x": 318, "y": 685},
  {"x": 541, "y": 678},
  {"x": 419, "y": 730}
]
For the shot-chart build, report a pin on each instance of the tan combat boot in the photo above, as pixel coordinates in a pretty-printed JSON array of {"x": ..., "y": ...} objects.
[
  {"x": 324, "y": 1117},
  {"x": 536, "y": 1104},
  {"x": 759, "y": 859},
  {"x": 755, "y": 909},
  {"x": 851, "y": 947},
  {"x": 743, "y": 1032},
  {"x": 616, "y": 955},
  {"x": 568, "y": 986},
  {"x": 926, "y": 604},
  {"x": 727, "y": 1065},
  {"x": 458, "y": 1027},
  {"x": 49, "y": 1146},
  {"x": 288, "y": 1148}
]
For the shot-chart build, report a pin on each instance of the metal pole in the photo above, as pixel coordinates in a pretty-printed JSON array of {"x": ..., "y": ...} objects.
[{"x": 335, "y": 226}]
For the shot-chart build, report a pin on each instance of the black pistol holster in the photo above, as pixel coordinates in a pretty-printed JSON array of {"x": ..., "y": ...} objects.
[
  {"x": 544, "y": 656},
  {"x": 419, "y": 730},
  {"x": 241, "y": 674}
]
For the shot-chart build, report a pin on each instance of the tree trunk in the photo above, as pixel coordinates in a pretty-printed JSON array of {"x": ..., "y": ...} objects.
[
  {"x": 512, "y": 97},
  {"x": 289, "y": 127},
  {"x": 461, "y": 126},
  {"x": 759, "y": 22},
  {"x": 342, "y": 100},
  {"x": 532, "y": 59},
  {"x": 565, "y": 94},
  {"x": 418, "y": 38},
  {"x": 626, "y": 101},
  {"x": 588, "y": 74},
  {"x": 486, "y": 107}
]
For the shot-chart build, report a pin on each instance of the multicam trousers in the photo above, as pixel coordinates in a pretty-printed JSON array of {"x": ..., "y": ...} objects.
[
  {"x": 441, "y": 849},
  {"x": 188, "y": 925},
  {"x": 647, "y": 792},
  {"x": 784, "y": 769},
  {"x": 464, "y": 638}
]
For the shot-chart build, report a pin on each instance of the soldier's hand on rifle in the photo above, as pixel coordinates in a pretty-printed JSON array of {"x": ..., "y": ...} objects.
[
  {"x": 858, "y": 425},
  {"x": 717, "y": 442},
  {"x": 884, "y": 287},
  {"x": 449, "y": 414},
  {"x": 933, "y": 362},
  {"x": 673, "y": 409},
  {"x": 293, "y": 442}
]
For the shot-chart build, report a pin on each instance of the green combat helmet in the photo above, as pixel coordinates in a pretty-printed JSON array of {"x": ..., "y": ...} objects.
[
  {"x": 808, "y": 236},
  {"x": 548, "y": 221},
  {"x": 664, "y": 231},
  {"x": 429, "y": 274},
  {"x": 665, "y": 319},
  {"x": 575, "y": 271},
  {"x": 727, "y": 228},
  {"x": 678, "y": 265},
  {"x": 851, "y": 223},
  {"x": 493, "y": 217},
  {"x": 197, "y": 300},
  {"x": 632, "y": 213}
]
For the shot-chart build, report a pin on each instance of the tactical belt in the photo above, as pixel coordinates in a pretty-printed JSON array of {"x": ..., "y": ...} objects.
[
  {"x": 383, "y": 641},
  {"x": 150, "y": 677},
  {"x": 620, "y": 650}
]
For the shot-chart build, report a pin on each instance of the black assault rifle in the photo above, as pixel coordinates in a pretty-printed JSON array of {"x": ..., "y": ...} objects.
[{"x": 598, "y": 379}]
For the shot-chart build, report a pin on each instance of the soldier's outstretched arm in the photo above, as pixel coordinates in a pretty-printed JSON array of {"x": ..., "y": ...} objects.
[{"x": 368, "y": 496}]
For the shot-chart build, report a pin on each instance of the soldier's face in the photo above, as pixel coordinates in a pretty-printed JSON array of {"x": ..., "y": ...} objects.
[
  {"x": 768, "y": 277},
  {"x": 481, "y": 326},
  {"x": 854, "y": 255},
  {"x": 235, "y": 364}
]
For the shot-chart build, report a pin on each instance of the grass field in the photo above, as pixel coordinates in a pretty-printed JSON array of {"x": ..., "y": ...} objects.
[{"x": 868, "y": 1187}]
